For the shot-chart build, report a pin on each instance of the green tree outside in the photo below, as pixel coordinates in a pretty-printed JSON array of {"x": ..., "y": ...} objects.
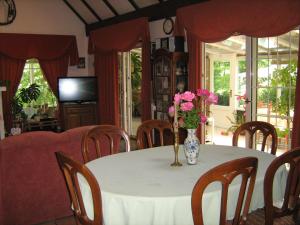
[
  {"x": 46, "y": 95},
  {"x": 222, "y": 81}
]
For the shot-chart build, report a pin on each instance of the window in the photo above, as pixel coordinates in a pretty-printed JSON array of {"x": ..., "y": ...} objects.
[{"x": 32, "y": 74}]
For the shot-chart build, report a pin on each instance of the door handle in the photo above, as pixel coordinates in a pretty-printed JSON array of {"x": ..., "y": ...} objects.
[
  {"x": 230, "y": 93},
  {"x": 247, "y": 100}
]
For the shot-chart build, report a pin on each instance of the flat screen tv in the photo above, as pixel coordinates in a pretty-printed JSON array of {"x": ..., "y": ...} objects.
[{"x": 77, "y": 89}]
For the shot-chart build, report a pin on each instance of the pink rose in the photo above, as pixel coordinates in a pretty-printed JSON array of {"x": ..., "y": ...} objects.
[
  {"x": 171, "y": 111},
  {"x": 203, "y": 92},
  {"x": 186, "y": 106},
  {"x": 203, "y": 119},
  {"x": 177, "y": 98},
  {"x": 188, "y": 96},
  {"x": 181, "y": 122},
  {"x": 212, "y": 98},
  {"x": 238, "y": 97}
]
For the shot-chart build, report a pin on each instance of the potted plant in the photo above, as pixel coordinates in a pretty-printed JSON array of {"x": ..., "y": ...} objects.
[{"x": 25, "y": 96}]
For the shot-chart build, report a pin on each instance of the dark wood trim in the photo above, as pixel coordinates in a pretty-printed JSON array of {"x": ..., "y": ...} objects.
[
  {"x": 133, "y": 3},
  {"x": 91, "y": 10},
  {"x": 107, "y": 3},
  {"x": 75, "y": 12},
  {"x": 154, "y": 12}
]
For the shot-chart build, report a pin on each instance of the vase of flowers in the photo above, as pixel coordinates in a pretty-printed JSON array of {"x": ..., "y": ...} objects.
[{"x": 190, "y": 107}]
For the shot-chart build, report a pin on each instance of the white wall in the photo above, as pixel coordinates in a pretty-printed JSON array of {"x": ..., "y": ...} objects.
[{"x": 50, "y": 17}]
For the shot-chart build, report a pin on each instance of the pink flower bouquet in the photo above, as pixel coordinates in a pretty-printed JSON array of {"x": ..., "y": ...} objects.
[{"x": 189, "y": 105}]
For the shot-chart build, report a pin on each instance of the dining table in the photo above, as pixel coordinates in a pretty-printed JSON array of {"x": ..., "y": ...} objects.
[{"x": 141, "y": 188}]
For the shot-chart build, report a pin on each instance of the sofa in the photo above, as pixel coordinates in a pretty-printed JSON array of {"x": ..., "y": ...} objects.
[{"x": 32, "y": 186}]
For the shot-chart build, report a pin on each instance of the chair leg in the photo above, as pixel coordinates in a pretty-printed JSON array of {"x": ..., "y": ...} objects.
[{"x": 296, "y": 216}]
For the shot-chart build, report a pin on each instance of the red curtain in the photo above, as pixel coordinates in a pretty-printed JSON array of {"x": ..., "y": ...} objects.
[
  {"x": 195, "y": 67},
  {"x": 11, "y": 70},
  {"x": 146, "y": 79},
  {"x": 42, "y": 47},
  {"x": 216, "y": 20},
  {"x": 108, "y": 87},
  {"x": 54, "y": 52},
  {"x": 53, "y": 69},
  {"x": 105, "y": 43}
]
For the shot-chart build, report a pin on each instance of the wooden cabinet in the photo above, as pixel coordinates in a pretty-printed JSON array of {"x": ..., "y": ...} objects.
[
  {"x": 170, "y": 76},
  {"x": 76, "y": 115}
]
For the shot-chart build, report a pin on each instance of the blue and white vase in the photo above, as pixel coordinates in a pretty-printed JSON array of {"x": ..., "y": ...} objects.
[{"x": 191, "y": 147}]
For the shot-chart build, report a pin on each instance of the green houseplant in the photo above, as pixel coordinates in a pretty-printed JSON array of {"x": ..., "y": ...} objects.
[{"x": 23, "y": 97}]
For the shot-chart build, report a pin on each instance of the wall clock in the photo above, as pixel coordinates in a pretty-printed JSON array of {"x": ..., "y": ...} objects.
[
  {"x": 168, "y": 25},
  {"x": 7, "y": 11}
]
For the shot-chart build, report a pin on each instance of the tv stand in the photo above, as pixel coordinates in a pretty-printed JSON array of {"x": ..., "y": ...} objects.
[{"x": 78, "y": 114}]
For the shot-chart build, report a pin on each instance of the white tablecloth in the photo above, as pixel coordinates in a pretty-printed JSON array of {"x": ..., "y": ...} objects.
[{"x": 141, "y": 188}]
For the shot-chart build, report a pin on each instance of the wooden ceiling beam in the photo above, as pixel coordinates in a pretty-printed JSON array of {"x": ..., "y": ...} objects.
[
  {"x": 133, "y": 3},
  {"x": 114, "y": 11},
  {"x": 75, "y": 12},
  {"x": 153, "y": 12},
  {"x": 91, "y": 10}
]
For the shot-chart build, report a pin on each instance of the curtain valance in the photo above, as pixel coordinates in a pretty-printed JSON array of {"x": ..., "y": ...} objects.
[
  {"x": 42, "y": 47},
  {"x": 119, "y": 37},
  {"x": 217, "y": 20}
]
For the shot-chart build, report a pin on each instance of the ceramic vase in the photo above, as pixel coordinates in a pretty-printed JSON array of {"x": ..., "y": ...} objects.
[{"x": 191, "y": 147}]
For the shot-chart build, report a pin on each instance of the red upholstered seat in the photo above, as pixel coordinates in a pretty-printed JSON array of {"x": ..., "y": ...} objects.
[{"x": 32, "y": 186}]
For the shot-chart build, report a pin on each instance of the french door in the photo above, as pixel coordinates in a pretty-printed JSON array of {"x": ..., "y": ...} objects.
[
  {"x": 130, "y": 90},
  {"x": 256, "y": 81}
]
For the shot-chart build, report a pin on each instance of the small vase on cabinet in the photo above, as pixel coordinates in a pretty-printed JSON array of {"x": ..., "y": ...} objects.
[{"x": 191, "y": 147}]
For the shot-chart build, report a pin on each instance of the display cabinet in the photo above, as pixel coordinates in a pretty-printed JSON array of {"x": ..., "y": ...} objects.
[{"x": 170, "y": 76}]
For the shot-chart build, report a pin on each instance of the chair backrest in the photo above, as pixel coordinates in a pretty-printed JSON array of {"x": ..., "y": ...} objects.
[
  {"x": 251, "y": 128},
  {"x": 146, "y": 133},
  {"x": 291, "y": 202},
  {"x": 71, "y": 169},
  {"x": 225, "y": 173},
  {"x": 96, "y": 137}
]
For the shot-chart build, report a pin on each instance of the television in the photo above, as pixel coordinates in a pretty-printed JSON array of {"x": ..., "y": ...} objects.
[{"x": 77, "y": 89}]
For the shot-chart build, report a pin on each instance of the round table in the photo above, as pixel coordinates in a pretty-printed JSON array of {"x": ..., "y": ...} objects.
[{"x": 140, "y": 187}]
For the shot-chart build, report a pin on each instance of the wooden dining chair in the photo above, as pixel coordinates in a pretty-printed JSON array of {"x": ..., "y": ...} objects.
[
  {"x": 291, "y": 203},
  {"x": 71, "y": 169},
  {"x": 266, "y": 129},
  {"x": 225, "y": 174},
  {"x": 287, "y": 214},
  {"x": 153, "y": 133},
  {"x": 96, "y": 140}
]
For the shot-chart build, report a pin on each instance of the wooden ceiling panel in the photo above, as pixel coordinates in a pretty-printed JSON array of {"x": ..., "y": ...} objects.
[
  {"x": 100, "y": 7},
  {"x": 122, "y": 6},
  {"x": 145, "y": 3},
  {"x": 100, "y": 13},
  {"x": 84, "y": 12}
]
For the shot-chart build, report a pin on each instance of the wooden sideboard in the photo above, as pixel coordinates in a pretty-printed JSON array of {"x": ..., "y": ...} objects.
[{"x": 77, "y": 115}]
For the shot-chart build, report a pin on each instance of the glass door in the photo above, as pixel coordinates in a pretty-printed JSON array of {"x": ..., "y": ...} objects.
[
  {"x": 225, "y": 75},
  {"x": 130, "y": 76},
  {"x": 276, "y": 72}
]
